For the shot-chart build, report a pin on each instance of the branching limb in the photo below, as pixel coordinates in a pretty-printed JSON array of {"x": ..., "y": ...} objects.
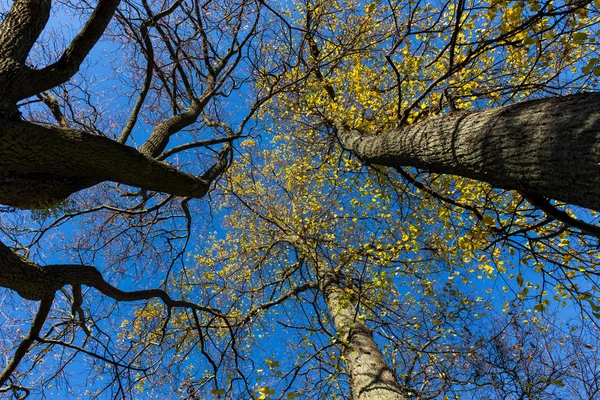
[
  {"x": 164, "y": 130},
  {"x": 34, "y": 332},
  {"x": 135, "y": 112},
  {"x": 194, "y": 145},
  {"x": 543, "y": 204},
  {"x": 89, "y": 353},
  {"x": 77, "y": 310},
  {"x": 42, "y": 165},
  {"x": 438, "y": 196},
  {"x": 292, "y": 293},
  {"x": 223, "y": 161},
  {"x": 69, "y": 63},
  {"x": 16, "y": 388},
  {"x": 148, "y": 48},
  {"x": 50, "y": 101},
  {"x": 39, "y": 283}
]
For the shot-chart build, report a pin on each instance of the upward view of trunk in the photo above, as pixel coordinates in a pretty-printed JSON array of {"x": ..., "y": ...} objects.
[
  {"x": 370, "y": 376},
  {"x": 548, "y": 147}
]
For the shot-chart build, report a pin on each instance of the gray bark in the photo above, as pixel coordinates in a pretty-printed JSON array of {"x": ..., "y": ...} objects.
[
  {"x": 370, "y": 376},
  {"x": 548, "y": 147}
]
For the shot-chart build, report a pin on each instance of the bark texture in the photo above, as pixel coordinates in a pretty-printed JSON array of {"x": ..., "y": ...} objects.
[
  {"x": 33, "y": 282},
  {"x": 19, "y": 31},
  {"x": 370, "y": 376},
  {"x": 548, "y": 147},
  {"x": 40, "y": 166}
]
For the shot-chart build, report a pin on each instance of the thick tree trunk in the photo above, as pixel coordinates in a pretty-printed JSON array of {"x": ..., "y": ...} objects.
[
  {"x": 42, "y": 165},
  {"x": 548, "y": 147},
  {"x": 370, "y": 376}
]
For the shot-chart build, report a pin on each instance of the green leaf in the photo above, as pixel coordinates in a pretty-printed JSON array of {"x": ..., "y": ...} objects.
[
  {"x": 529, "y": 41},
  {"x": 488, "y": 220},
  {"x": 595, "y": 307},
  {"x": 520, "y": 279},
  {"x": 557, "y": 382},
  {"x": 579, "y": 37},
  {"x": 591, "y": 63}
]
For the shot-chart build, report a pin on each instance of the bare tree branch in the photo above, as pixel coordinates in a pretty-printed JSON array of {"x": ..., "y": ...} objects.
[{"x": 34, "y": 333}]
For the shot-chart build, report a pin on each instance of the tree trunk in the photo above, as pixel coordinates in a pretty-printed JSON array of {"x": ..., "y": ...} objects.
[
  {"x": 40, "y": 166},
  {"x": 548, "y": 147},
  {"x": 370, "y": 376}
]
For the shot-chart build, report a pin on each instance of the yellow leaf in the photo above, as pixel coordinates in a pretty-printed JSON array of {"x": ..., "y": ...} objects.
[
  {"x": 266, "y": 391},
  {"x": 488, "y": 220}
]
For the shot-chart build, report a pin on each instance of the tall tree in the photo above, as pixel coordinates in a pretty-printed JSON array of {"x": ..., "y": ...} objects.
[
  {"x": 426, "y": 86},
  {"x": 390, "y": 119},
  {"x": 172, "y": 82},
  {"x": 370, "y": 289},
  {"x": 443, "y": 87}
]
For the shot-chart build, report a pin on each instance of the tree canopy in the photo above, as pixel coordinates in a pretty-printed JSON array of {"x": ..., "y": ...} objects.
[{"x": 314, "y": 199}]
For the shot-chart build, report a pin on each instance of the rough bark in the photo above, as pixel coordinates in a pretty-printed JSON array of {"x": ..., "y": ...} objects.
[
  {"x": 18, "y": 32},
  {"x": 40, "y": 166},
  {"x": 21, "y": 27},
  {"x": 159, "y": 139},
  {"x": 370, "y": 376},
  {"x": 33, "y": 282},
  {"x": 548, "y": 147}
]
